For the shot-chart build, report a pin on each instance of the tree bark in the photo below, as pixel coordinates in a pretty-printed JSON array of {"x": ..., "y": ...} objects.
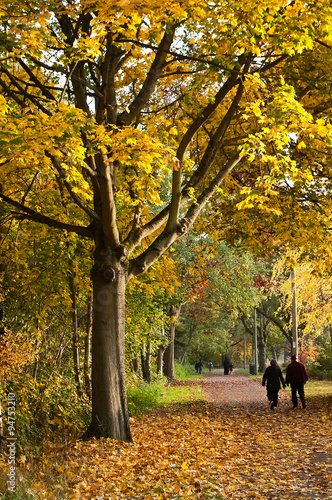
[
  {"x": 160, "y": 359},
  {"x": 35, "y": 369},
  {"x": 109, "y": 403},
  {"x": 169, "y": 371},
  {"x": 135, "y": 362},
  {"x": 146, "y": 362}
]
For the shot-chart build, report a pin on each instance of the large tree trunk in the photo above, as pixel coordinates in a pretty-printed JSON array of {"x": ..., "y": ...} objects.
[
  {"x": 169, "y": 371},
  {"x": 109, "y": 403}
]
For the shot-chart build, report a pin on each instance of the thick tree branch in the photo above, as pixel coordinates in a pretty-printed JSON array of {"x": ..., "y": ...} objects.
[
  {"x": 203, "y": 198},
  {"x": 36, "y": 81},
  {"x": 216, "y": 140},
  {"x": 136, "y": 236},
  {"x": 29, "y": 214},
  {"x": 106, "y": 199},
  {"x": 209, "y": 109},
  {"x": 107, "y": 103},
  {"x": 212, "y": 148},
  {"x": 166, "y": 238},
  {"x": 243, "y": 321},
  {"x": 20, "y": 91},
  {"x": 126, "y": 117},
  {"x": 79, "y": 85},
  {"x": 277, "y": 322},
  {"x": 152, "y": 254}
]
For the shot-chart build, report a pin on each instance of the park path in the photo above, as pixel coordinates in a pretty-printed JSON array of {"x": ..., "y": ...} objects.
[
  {"x": 307, "y": 467},
  {"x": 234, "y": 391}
]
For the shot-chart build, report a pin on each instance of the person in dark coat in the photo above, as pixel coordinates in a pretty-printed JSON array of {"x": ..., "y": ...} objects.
[
  {"x": 272, "y": 377},
  {"x": 226, "y": 365},
  {"x": 296, "y": 376}
]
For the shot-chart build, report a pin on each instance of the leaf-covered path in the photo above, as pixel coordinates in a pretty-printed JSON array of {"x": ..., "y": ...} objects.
[
  {"x": 285, "y": 453},
  {"x": 231, "y": 446},
  {"x": 234, "y": 391}
]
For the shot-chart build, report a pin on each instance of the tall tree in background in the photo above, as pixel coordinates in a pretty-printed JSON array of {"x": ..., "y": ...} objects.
[{"x": 119, "y": 121}]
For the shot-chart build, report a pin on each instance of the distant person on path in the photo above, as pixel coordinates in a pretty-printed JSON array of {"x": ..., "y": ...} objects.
[
  {"x": 210, "y": 366},
  {"x": 296, "y": 376},
  {"x": 200, "y": 366},
  {"x": 197, "y": 366},
  {"x": 272, "y": 377},
  {"x": 226, "y": 365}
]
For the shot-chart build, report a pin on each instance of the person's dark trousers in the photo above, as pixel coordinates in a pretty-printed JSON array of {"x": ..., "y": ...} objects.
[
  {"x": 298, "y": 388},
  {"x": 273, "y": 396}
]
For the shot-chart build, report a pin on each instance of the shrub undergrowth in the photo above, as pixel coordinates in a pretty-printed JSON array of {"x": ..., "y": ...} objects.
[{"x": 143, "y": 396}]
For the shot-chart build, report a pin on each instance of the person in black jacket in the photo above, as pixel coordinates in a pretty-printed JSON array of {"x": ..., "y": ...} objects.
[
  {"x": 226, "y": 365},
  {"x": 273, "y": 376}
]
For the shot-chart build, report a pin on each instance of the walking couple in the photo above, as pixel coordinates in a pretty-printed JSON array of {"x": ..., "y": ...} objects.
[{"x": 296, "y": 376}]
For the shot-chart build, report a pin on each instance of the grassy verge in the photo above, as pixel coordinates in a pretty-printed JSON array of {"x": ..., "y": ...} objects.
[
  {"x": 318, "y": 387},
  {"x": 186, "y": 372},
  {"x": 143, "y": 397},
  {"x": 181, "y": 394}
]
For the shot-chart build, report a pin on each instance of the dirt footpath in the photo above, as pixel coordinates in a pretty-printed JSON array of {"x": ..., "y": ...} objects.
[
  {"x": 291, "y": 456},
  {"x": 234, "y": 391},
  {"x": 239, "y": 390}
]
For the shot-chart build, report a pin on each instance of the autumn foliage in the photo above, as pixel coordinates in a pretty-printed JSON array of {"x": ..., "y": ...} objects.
[{"x": 233, "y": 448}]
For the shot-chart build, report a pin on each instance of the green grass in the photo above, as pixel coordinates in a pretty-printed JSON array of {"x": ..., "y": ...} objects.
[
  {"x": 186, "y": 372},
  {"x": 318, "y": 387},
  {"x": 242, "y": 370},
  {"x": 143, "y": 397},
  {"x": 181, "y": 394}
]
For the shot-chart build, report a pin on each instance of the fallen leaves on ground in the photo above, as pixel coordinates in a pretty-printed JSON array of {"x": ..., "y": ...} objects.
[{"x": 201, "y": 451}]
